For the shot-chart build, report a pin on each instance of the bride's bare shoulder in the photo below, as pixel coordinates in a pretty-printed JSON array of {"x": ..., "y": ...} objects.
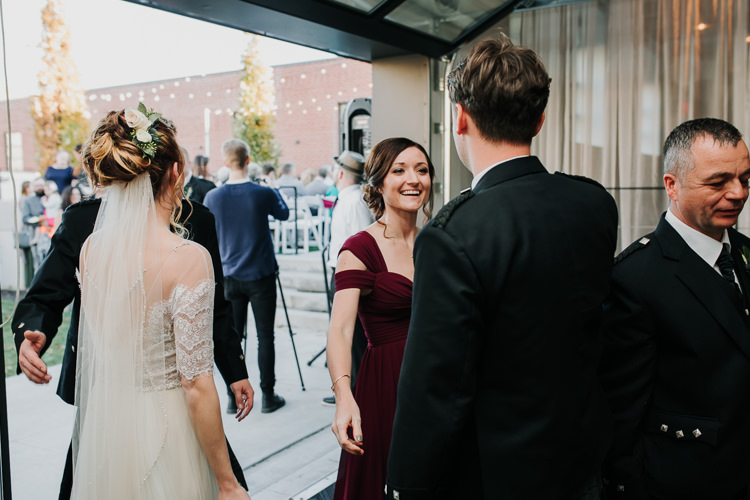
[{"x": 190, "y": 253}]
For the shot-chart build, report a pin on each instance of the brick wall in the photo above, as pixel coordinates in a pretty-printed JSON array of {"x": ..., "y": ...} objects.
[{"x": 308, "y": 96}]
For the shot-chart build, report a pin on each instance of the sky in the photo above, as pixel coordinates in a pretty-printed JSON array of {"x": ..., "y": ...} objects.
[{"x": 114, "y": 42}]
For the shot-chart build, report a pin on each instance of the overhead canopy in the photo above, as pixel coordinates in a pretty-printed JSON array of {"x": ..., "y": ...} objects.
[{"x": 360, "y": 29}]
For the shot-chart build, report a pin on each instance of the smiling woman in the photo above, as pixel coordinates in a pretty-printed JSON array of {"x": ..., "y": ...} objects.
[{"x": 374, "y": 277}]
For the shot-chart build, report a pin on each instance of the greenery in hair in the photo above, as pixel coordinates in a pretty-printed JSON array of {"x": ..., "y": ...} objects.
[{"x": 143, "y": 133}]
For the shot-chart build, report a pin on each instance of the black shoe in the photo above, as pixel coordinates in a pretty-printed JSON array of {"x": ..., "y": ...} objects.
[
  {"x": 329, "y": 401},
  {"x": 271, "y": 403},
  {"x": 232, "y": 405}
]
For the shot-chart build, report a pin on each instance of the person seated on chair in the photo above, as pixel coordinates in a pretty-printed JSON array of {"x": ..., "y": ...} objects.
[
  {"x": 287, "y": 181},
  {"x": 241, "y": 208}
]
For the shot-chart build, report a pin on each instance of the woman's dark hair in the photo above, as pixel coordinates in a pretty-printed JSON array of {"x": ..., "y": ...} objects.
[
  {"x": 200, "y": 162},
  {"x": 66, "y": 193},
  {"x": 379, "y": 163}
]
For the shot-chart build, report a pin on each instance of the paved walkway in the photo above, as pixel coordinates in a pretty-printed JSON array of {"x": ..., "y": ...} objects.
[{"x": 289, "y": 454}]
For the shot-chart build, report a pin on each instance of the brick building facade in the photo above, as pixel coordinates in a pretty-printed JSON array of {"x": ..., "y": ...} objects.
[{"x": 308, "y": 99}]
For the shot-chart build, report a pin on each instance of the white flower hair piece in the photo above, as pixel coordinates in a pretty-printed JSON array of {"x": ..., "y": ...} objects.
[{"x": 143, "y": 133}]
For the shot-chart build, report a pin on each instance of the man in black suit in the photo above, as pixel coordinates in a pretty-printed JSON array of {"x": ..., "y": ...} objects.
[
  {"x": 195, "y": 188},
  {"x": 676, "y": 363},
  {"x": 498, "y": 396},
  {"x": 54, "y": 286}
]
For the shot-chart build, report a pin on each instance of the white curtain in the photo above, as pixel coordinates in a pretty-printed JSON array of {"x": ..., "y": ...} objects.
[{"x": 624, "y": 74}]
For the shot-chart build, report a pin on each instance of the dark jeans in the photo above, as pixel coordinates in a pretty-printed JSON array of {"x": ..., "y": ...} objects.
[
  {"x": 28, "y": 266},
  {"x": 261, "y": 294},
  {"x": 359, "y": 340}
]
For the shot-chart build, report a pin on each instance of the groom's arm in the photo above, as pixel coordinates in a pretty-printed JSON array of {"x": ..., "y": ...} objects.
[
  {"x": 55, "y": 285},
  {"x": 437, "y": 382},
  {"x": 228, "y": 354}
]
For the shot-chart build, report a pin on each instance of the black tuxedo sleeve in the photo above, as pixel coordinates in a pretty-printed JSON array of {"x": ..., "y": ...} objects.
[
  {"x": 438, "y": 375},
  {"x": 626, "y": 371},
  {"x": 54, "y": 285},
  {"x": 227, "y": 344}
]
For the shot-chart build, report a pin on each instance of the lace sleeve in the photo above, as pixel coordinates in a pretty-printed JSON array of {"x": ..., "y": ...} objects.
[{"x": 193, "y": 328}]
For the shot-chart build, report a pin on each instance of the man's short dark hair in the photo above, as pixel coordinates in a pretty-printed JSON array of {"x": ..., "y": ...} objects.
[
  {"x": 504, "y": 88},
  {"x": 678, "y": 156},
  {"x": 269, "y": 168}
]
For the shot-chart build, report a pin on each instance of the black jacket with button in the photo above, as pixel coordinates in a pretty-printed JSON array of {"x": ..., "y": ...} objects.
[
  {"x": 196, "y": 189},
  {"x": 676, "y": 371},
  {"x": 55, "y": 286},
  {"x": 498, "y": 396}
]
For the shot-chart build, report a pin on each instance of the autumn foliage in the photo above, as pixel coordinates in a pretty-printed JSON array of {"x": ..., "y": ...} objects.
[
  {"x": 253, "y": 121},
  {"x": 60, "y": 113}
]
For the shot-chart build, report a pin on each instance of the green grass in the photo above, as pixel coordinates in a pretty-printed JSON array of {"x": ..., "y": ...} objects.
[{"x": 54, "y": 354}]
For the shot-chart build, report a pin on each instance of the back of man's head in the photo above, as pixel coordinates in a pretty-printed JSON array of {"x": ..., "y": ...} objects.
[
  {"x": 678, "y": 156},
  {"x": 504, "y": 88},
  {"x": 235, "y": 153},
  {"x": 352, "y": 165},
  {"x": 287, "y": 169}
]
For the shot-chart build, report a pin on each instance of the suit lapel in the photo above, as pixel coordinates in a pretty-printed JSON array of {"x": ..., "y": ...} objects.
[
  {"x": 510, "y": 170},
  {"x": 701, "y": 280}
]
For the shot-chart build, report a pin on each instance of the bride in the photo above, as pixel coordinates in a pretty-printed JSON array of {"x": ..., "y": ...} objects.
[{"x": 149, "y": 423}]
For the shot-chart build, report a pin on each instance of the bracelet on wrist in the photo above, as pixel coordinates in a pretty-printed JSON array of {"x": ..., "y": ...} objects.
[{"x": 339, "y": 378}]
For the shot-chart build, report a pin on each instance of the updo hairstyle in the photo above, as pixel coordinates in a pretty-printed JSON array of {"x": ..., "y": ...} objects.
[
  {"x": 111, "y": 155},
  {"x": 377, "y": 166}
]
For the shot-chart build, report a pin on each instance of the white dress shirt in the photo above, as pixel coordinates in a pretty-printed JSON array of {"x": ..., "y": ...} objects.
[
  {"x": 706, "y": 247},
  {"x": 481, "y": 174},
  {"x": 350, "y": 216}
]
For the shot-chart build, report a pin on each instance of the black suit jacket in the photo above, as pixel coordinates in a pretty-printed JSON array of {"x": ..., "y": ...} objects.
[
  {"x": 498, "y": 396},
  {"x": 676, "y": 369},
  {"x": 196, "y": 189},
  {"x": 55, "y": 286}
]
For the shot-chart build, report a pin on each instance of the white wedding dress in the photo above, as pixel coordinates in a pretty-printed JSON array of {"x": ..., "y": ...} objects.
[{"x": 146, "y": 324}]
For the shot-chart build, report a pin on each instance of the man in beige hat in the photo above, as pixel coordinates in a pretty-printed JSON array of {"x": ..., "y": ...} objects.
[{"x": 350, "y": 215}]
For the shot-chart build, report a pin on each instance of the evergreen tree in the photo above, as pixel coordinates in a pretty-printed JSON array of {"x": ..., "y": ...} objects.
[
  {"x": 253, "y": 122},
  {"x": 60, "y": 113}
]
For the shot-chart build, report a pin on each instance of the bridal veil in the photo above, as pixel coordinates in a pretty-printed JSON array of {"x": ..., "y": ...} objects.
[{"x": 131, "y": 426}]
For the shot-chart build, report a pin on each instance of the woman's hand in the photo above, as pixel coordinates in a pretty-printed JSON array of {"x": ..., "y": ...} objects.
[{"x": 347, "y": 417}]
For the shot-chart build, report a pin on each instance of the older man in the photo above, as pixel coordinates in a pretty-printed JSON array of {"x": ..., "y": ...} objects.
[
  {"x": 676, "y": 364},
  {"x": 498, "y": 396}
]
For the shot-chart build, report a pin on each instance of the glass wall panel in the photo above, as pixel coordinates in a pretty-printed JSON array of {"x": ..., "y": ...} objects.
[
  {"x": 363, "y": 5},
  {"x": 624, "y": 74},
  {"x": 446, "y": 19}
]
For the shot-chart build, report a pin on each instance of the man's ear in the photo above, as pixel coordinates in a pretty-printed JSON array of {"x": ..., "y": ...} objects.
[
  {"x": 671, "y": 184},
  {"x": 460, "y": 119},
  {"x": 539, "y": 125}
]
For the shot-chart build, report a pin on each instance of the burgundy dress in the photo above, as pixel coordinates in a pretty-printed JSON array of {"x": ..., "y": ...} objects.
[{"x": 384, "y": 314}]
